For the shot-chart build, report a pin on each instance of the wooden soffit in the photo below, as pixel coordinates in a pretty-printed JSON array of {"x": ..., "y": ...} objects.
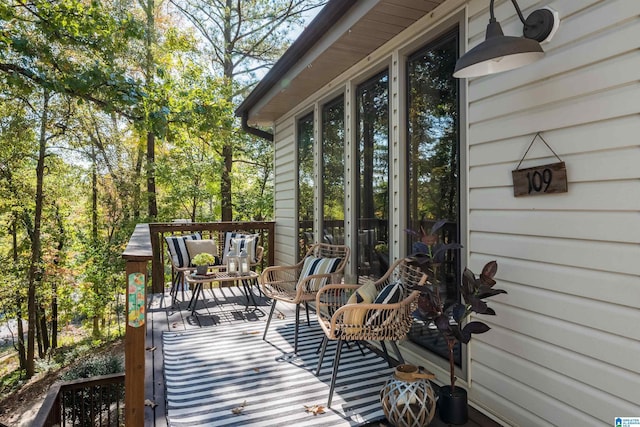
[{"x": 361, "y": 29}]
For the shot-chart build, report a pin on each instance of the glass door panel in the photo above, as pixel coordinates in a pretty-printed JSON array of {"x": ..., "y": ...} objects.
[
  {"x": 372, "y": 251},
  {"x": 433, "y": 168}
]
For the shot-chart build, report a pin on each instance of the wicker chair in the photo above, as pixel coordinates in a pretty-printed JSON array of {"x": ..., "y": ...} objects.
[
  {"x": 349, "y": 321},
  {"x": 298, "y": 284}
]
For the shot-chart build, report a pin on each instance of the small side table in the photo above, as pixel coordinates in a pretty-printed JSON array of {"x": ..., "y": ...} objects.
[{"x": 220, "y": 276}]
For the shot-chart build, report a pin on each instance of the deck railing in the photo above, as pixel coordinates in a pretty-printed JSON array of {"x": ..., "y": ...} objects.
[
  {"x": 147, "y": 243},
  {"x": 211, "y": 230},
  {"x": 96, "y": 401}
]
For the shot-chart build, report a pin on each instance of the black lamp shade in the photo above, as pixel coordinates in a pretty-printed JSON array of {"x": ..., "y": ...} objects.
[{"x": 497, "y": 53}]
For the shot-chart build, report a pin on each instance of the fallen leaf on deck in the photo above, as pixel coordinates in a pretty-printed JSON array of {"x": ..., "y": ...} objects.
[
  {"x": 238, "y": 410},
  {"x": 315, "y": 409},
  {"x": 151, "y": 403},
  {"x": 256, "y": 369},
  {"x": 151, "y": 348},
  {"x": 281, "y": 315}
]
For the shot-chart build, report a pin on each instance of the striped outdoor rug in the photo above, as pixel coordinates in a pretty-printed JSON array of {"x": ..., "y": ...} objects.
[{"x": 212, "y": 371}]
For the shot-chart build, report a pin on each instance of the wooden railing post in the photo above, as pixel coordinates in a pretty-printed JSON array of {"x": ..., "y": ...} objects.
[
  {"x": 137, "y": 256},
  {"x": 134, "y": 344}
]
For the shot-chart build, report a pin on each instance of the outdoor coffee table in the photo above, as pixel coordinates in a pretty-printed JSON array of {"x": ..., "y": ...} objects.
[{"x": 220, "y": 277}]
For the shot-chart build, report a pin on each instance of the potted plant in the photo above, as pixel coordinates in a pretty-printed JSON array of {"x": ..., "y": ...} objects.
[
  {"x": 202, "y": 261},
  {"x": 452, "y": 321}
]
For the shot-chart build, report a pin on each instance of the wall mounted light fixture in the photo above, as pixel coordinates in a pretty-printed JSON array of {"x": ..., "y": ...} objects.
[{"x": 499, "y": 53}]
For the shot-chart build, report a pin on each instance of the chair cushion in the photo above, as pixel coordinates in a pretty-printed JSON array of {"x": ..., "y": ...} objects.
[
  {"x": 178, "y": 249},
  {"x": 313, "y": 265},
  {"x": 365, "y": 294},
  {"x": 251, "y": 249},
  {"x": 195, "y": 247},
  {"x": 390, "y": 294}
]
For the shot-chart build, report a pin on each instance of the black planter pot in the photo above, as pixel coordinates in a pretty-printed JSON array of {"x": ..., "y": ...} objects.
[{"x": 452, "y": 406}]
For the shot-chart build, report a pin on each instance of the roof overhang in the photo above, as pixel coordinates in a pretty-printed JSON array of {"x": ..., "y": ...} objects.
[{"x": 341, "y": 35}]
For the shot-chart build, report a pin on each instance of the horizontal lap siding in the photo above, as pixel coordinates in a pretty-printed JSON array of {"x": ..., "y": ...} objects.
[
  {"x": 563, "y": 349},
  {"x": 285, "y": 192}
]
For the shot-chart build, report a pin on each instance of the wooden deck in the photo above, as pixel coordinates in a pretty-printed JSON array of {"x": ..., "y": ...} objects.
[{"x": 221, "y": 308}]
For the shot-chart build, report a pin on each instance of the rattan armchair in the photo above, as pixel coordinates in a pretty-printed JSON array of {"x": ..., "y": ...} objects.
[
  {"x": 342, "y": 320},
  {"x": 299, "y": 284}
]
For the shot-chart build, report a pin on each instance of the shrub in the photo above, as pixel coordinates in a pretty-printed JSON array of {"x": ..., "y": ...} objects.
[
  {"x": 83, "y": 404},
  {"x": 95, "y": 366}
]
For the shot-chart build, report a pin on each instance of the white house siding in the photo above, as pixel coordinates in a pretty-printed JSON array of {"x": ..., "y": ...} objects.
[
  {"x": 286, "y": 180},
  {"x": 564, "y": 348}
]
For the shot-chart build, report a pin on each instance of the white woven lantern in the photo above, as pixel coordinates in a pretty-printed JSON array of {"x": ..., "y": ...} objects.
[{"x": 407, "y": 397}]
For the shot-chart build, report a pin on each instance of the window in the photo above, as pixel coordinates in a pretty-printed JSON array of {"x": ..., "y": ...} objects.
[
  {"x": 372, "y": 250},
  {"x": 305, "y": 183},
  {"x": 433, "y": 165},
  {"x": 333, "y": 171}
]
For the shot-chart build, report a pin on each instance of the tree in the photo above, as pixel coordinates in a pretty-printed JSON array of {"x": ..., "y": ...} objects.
[
  {"x": 60, "y": 50},
  {"x": 71, "y": 48},
  {"x": 244, "y": 38},
  {"x": 15, "y": 166}
]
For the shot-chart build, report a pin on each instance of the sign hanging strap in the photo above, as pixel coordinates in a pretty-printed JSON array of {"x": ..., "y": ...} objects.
[{"x": 537, "y": 135}]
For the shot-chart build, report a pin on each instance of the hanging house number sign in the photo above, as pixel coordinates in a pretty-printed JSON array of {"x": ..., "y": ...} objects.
[{"x": 543, "y": 179}]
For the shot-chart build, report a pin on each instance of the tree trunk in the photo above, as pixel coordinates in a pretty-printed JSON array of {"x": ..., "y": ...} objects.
[
  {"x": 227, "y": 149},
  {"x": 54, "y": 315},
  {"x": 137, "y": 180},
  {"x": 96, "y": 326},
  {"x": 151, "y": 177},
  {"x": 94, "y": 200},
  {"x": 150, "y": 39},
  {"x": 225, "y": 182},
  {"x": 54, "y": 284},
  {"x": 43, "y": 331},
  {"x": 35, "y": 272},
  {"x": 21, "y": 348}
]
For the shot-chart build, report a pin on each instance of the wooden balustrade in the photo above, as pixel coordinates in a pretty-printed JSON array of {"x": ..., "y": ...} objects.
[{"x": 86, "y": 401}]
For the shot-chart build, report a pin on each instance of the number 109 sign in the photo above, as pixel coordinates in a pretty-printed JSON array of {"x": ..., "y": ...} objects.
[{"x": 544, "y": 179}]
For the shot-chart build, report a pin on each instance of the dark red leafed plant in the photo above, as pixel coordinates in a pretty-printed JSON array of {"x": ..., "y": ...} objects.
[{"x": 451, "y": 321}]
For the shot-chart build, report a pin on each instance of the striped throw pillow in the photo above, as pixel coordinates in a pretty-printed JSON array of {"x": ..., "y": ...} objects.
[
  {"x": 178, "y": 249},
  {"x": 390, "y": 294},
  {"x": 249, "y": 244},
  {"x": 228, "y": 244},
  {"x": 313, "y": 265}
]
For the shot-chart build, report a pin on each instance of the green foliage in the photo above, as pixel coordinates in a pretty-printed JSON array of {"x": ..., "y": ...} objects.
[
  {"x": 71, "y": 47},
  {"x": 107, "y": 88},
  {"x": 81, "y": 404},
  {"x": 11, "y": 382},
  {"x": 95, "y": 366},
  {"x": 203, "y": 259}
]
